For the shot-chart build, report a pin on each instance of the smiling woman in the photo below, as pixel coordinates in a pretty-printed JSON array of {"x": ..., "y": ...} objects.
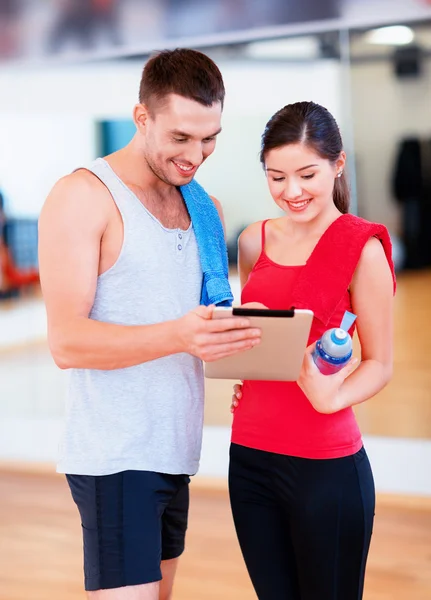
[
  {"x": 300, "y": 184},
  {"x": 312, "y": 151},
  {"x": 301, "y": 486}
]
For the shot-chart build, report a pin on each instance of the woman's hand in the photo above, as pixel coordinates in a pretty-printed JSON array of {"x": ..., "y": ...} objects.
[
  {"x": 323, "y": 391},
  {"x": 237, "y": 395}
]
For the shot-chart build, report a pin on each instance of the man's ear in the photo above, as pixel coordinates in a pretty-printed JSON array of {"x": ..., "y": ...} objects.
[{"x": 141, "y": 114}]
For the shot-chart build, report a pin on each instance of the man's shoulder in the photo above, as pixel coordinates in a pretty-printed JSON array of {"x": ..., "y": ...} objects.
[
  {"x": 80, "y": 187},
  {"x": 78, "y": 196},
  {"x": 81, "y": 180}
]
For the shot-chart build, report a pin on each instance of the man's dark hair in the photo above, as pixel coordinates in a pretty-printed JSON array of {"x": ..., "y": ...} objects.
[{"x": 184, "y": 72}]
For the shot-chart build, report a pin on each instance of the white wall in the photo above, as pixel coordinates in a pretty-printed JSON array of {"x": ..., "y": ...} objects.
[
  {"x": 36, "y": 150},
  {"x": 254, "y": 92},
  {"x": 47, "y": 126},
  {"x": 47, "y": 120},
  {"x": 385, "y": 109}
]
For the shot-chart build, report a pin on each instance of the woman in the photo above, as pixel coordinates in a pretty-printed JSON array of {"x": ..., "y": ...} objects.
[{"x": 301, "y": 486}]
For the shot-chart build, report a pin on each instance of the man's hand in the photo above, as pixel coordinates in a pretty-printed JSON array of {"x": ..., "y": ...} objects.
[{"x": 211, "y": 339}]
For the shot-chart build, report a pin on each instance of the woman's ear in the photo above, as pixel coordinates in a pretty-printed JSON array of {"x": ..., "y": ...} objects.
[{"x": 340, "y": 163}]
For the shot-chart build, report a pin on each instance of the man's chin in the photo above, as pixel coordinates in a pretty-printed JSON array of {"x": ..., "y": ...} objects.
[{"x": 182, "y": 181}]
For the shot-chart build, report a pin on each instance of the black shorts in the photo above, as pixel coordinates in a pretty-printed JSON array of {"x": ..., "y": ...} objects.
[{"x": 131, "y": 521}]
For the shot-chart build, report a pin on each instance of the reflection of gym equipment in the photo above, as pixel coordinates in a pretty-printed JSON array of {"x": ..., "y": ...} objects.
[
  {"x": 18, "y": 255},
  {"x": 411, "y": 188}
]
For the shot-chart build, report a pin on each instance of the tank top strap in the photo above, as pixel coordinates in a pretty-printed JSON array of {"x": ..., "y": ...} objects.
[
  {"x": 334, "y": 261},
  {"x": 120, "y": 193},
  {"x": 263, "y": 235}
]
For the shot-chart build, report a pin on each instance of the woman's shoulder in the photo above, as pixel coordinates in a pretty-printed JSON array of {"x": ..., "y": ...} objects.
[
  {"x": 374, "y": 267},
  {"x": 372, "y": 251},
  {"x": 375, "y": 252},
  {"x": 359, "y": 233},
  {"x": 250, "y": 242},
  {"x": 260, "y": 229},
  {"x": 251, "y": 233}
]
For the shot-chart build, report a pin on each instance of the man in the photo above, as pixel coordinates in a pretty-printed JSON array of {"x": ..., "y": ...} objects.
[{"x": 121, "y": 277}]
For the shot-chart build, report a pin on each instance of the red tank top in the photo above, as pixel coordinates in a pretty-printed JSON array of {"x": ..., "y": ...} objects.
[{"x": 276, "y": 416}]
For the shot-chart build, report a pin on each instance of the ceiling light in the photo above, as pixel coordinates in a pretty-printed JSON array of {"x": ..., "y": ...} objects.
[
  {"x": 396, "y": 35},
  {"x": 292, "y": 48}
]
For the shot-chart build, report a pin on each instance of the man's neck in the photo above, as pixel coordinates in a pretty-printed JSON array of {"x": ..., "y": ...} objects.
[{"x": 130, "y": 165}]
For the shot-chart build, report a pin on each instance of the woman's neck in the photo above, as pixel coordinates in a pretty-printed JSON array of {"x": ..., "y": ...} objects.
[{"x": 314, "y": 228}]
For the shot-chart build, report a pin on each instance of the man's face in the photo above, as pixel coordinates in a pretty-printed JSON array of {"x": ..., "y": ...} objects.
[{"x": 179, "y": 136}]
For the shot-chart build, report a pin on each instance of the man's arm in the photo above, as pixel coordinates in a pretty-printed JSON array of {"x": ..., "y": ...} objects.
[{"x": 71, "y": 226}]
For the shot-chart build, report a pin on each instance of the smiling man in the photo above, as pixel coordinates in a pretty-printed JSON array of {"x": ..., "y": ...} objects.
[{"x": 122, "y": 278}]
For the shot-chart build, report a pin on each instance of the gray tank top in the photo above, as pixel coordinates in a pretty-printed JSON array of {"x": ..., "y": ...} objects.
[{"x": 147, "y": 417}]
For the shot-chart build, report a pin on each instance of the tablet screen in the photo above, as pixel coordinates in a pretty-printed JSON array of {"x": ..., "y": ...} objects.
[{"x": 262, "y": 312}]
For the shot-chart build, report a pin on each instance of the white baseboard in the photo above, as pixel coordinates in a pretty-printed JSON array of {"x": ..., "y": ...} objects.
[
  {"x": 400, "y": 466},
  {"x": 29, "y": 440}
]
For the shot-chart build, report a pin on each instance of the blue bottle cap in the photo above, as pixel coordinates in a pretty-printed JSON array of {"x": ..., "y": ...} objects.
[{"x": 339, "y": 337}]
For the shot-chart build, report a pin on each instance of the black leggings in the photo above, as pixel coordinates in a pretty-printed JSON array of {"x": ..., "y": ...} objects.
[{"x": 304, "y": 526}]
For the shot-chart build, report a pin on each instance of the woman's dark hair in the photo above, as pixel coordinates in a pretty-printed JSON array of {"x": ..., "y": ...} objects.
[
  {"x": 312, "y": 125},
  {"x": 185, "y": 72}
]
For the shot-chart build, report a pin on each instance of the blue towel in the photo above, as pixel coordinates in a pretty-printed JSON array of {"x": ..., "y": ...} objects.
[{"x": 211, "y": 244}]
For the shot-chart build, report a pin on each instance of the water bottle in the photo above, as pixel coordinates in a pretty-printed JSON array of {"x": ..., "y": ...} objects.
[{"x": 334, "y": 349}]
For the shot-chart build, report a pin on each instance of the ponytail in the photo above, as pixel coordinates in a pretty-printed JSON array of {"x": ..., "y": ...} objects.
[{"x": 341, "y": 194}]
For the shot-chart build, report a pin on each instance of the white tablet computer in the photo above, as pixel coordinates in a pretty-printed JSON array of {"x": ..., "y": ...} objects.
[{"x": 280, "y": 353}]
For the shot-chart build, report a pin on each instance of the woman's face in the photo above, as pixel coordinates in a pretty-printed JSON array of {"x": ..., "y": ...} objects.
[{"x": 300, "y": 181}]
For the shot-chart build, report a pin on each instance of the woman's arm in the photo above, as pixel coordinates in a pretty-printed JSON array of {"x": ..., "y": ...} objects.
[
  {"x": 372, "y": 302},
  {"x": 249, "y": 247}
]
